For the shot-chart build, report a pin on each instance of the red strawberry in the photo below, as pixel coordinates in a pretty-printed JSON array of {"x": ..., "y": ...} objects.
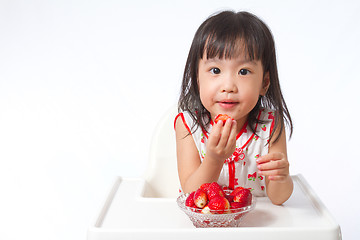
[
  {"x": 230, "y": 198},
  {"x": 219, "y": 204},
  {"x": 222, "y": 117},
  {"x": 200, "y": 198},
  {"x": 235, "y": 205},
  {"x": 244, "y": 196},
  {"x": 190, "y": 200},
  {"x": 205, "y": 186},
  {"x": 214, "y": 190},
  {"x": 236, "y": 190}
]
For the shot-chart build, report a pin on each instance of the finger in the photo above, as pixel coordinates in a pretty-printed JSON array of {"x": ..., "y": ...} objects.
[
  {"x": 274, "y": 172},
  {"x": 278, "y": 178},
  {"x": 273, "y": 164},
  {"x": 270, "y": 157},
  {"x": 215, "y": 134},
  {"x": 233, "y": 132},
  {"x": 231, "y": 142},
  {"x": 225, "y": 134}
]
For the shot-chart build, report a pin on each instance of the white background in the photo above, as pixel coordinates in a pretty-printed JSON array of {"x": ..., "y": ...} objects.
[{"x": 84, "y": 83}]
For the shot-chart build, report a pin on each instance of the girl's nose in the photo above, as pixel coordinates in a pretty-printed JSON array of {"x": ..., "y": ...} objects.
[{"x": 228, "y": 84}]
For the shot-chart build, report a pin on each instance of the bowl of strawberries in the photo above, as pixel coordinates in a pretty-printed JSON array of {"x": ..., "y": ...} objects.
[{"x": 212, "y": 206}]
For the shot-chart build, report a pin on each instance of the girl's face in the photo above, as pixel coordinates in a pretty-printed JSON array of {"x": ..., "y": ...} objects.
[{"x": 231, "y": 86}]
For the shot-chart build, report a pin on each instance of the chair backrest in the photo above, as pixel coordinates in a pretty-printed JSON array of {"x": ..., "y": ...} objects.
[{"x": 161, "y": 174}]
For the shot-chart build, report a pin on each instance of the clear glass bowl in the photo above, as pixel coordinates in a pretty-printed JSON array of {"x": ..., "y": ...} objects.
[{"x": 200, "y": 220}]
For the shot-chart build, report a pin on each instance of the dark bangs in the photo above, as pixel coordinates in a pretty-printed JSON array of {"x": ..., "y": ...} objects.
[{"x": 233, "y": 34}]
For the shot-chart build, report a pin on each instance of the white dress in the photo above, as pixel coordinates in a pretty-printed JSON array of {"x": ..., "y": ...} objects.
[{"x": 239, "y": 169}]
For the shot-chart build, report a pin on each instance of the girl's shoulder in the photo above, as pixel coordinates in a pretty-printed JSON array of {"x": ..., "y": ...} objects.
[
  {"x": 189, "y": 122},
  {"x": 184, "y": 116},
  {"x": 186, "y": 119}
]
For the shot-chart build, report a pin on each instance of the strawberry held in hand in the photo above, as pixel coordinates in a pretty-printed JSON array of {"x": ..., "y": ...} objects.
[{"x": 222, "y": 117}]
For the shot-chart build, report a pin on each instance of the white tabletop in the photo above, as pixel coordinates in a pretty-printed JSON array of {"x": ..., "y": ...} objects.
[{"x": 128, "y": 215}]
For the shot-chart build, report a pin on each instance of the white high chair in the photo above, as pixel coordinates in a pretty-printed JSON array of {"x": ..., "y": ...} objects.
[
  {"x": 161, "y": 175},
  {"x": 145, "y": 208}
]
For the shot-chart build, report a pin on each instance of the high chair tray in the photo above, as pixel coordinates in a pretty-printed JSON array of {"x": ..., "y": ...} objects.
[{"x": 128, "y": 214}]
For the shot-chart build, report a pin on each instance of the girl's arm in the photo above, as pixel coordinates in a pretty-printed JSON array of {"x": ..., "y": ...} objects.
[
  {"x": 221, "y": 144},
  {"x": 275, "y": 167}
]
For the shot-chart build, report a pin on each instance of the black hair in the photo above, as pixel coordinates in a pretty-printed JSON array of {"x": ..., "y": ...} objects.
[{"x": 219, "y": 36}]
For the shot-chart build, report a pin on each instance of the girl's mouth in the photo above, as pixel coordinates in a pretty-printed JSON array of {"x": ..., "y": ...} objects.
[{"x": 227, "y": 104}]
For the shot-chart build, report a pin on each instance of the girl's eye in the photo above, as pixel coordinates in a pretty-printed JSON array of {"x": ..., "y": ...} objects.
[
  {"x": 215, "y": 71},
  {"x": 244, "y": 72}
]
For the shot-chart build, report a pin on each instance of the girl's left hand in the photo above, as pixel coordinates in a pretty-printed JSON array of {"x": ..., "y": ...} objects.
[{"x": 273, "y": 165}]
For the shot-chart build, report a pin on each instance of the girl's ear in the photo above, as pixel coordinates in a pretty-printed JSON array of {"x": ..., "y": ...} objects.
[{"x": 266, "y": 84}]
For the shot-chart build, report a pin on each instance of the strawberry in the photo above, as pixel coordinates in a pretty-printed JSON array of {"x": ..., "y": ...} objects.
[
  {"x": 200, "y": 198},
  {"x": 219, "y": 204},
  {"x": 229, "y": 197},
  {"x": 243, "y": 196},
  {"x": 236, "y": 190},
  {"x": 190, "y": 200},
  {"x": 235, "y": 205},
  {"x": 222, "y": 117},
  {"x": 214, "y": 190},
  {"x": 205, "y": 186},
  {"x": 206, "y": 210}
]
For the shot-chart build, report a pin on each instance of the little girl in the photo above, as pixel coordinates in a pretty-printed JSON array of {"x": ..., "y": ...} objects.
[{"x": 231, "y": 69}]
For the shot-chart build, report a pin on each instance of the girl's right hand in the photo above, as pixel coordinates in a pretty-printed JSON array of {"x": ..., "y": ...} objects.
[{"x": 222, "y": 141}]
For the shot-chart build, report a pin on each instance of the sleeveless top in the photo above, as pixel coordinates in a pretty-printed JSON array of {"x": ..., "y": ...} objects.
[{"x": 240, "y": 169}]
